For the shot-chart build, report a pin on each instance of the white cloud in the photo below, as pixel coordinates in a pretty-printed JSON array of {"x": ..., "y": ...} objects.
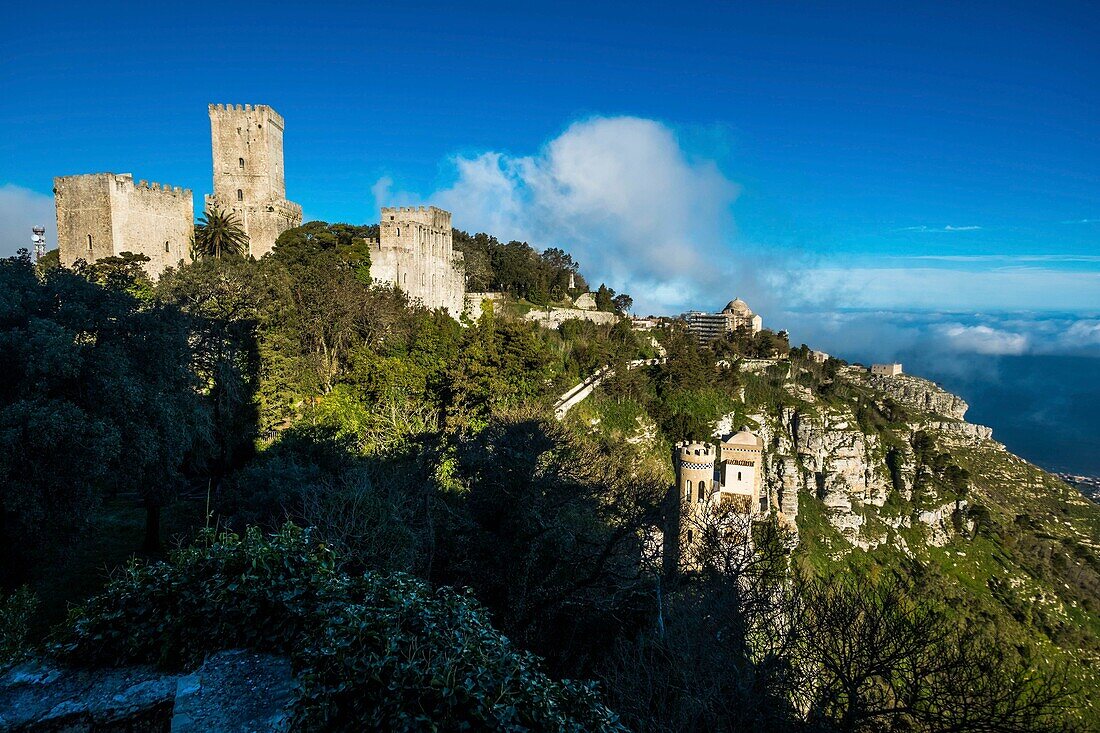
[
  {"x": 21, "y": 209},
  {"x": 983, "y": 339},
  {"x": 622, "y": 196},
  {"x": 933, "y": 230}
]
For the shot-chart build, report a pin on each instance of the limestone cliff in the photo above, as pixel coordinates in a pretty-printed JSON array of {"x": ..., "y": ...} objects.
[{"x": 820, "y": 448}]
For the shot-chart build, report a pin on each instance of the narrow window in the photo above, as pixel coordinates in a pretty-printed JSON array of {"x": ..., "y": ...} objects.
[
  {"x": 688, "y": 483},
  {"x": 702, "y": 487},
  {"x": 166, "y": 248},
  {"x": 690, "y": 537},
  {"x": 240, "y": 163},
  {"x": 399, "y": 231},
  {"x": 738, "y": 475},
  {"x": 240, "y": 195},
  {"x": 89, "y": 242}
]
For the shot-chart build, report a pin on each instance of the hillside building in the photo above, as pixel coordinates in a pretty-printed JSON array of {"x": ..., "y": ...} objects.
[
  {"x": 715, "y": 488},
  {"x": 734, "y": 317},
  {"x": 415, "y": 253},
  {"x": 886, "y": 370},
  {"x": 105, "y": 214},
  {"x": 247, "y": 147}
]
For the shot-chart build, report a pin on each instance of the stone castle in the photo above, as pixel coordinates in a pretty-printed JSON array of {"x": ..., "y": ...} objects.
[
  {"x": 714, "y": 486},
  {"x": 415, "y": 253},
  {"x": 103, "y": 214}
]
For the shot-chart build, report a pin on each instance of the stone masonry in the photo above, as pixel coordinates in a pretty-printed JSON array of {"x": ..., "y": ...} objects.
[
  {"x": 415, "y": 252},
  {"x": 105, "y": 214},
  {"x": 247, "y": 145}
]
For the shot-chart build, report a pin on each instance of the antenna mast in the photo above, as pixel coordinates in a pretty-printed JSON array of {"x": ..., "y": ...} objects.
[{"x": 38, "y": 238}]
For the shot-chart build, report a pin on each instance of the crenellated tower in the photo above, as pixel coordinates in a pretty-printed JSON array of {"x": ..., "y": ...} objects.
[
  {"x": 247, "y": 146},
  {"x": 105, "y": 214},
  {"x": 415, "y": 252}
]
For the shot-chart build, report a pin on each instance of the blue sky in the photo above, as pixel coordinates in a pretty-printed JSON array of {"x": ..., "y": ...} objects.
[{"x": 932, "y": 156}]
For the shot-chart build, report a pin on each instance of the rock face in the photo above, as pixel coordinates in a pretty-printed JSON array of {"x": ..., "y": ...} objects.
[
  {"x": 233, "y": 692},
  {"x": 820, "y": 448},
  {"x": 919, "y": 394},
  {"x": 37, "y": 698}
]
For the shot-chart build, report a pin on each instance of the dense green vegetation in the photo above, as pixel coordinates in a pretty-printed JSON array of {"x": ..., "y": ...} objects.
[{"x": 241, "y": 395}]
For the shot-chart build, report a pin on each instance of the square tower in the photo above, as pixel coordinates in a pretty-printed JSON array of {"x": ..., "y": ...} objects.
[
  {"x": 247, "y": 146},
  {"x": 103, "y": 215},
  {"x": 415, "y": 252}
]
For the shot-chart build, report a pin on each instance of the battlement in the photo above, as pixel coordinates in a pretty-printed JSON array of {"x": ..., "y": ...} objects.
[
  {"x": 124, "y": 183},
  {"x": 431, "y": 216},
  {"x": 695, "y": 452},
  {"x": 231, "y": 109}
]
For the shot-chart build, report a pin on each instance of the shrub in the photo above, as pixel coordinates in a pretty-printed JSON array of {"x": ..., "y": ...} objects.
[
  {"x": 16, "y": 612},
  {"x": 375, "y": 651}
]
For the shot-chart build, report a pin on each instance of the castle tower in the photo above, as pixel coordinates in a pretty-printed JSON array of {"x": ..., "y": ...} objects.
[
  {"x": 247, "y": 146},
  {"x": 103, "y": 215},
  {"x": 695, "y": 484},
  {"x": 415, "y": 253}
]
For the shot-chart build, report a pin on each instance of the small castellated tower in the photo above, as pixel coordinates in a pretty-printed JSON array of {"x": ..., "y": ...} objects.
[
  {"x": 415, "y": 252},
  {"x": 713, "y": 490},
  {"x": 247, "y": 145},
  {"x": 103, "y": 215}
]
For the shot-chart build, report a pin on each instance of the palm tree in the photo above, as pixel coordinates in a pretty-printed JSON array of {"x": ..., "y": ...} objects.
[{"x": 219, "y": 233}]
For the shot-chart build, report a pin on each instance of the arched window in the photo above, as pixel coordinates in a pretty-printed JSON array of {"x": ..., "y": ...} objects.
[
  {"x": 240, "y": 195},
  {"x": 702, "y": 489},
  {"x": 738, "y": 475},
  {"x": 166, "y": 247},
  {"x": 240, "y": 163},
  {"x": 687, "y": 485},
  {"x": 399, "y": 231},
  {"x": 89, "y": 242}
]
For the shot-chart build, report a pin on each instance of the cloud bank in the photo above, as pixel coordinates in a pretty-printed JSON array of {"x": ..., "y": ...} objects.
[
  {"x": 619, "y": 193},
  {"x": 21, "y": 209}
]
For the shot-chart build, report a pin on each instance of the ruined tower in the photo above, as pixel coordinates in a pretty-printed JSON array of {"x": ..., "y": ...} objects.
[
  {"x": 415, "y": 252},
  {"x": 103, "y": 215},
  {"x": 247, "y": 146}
]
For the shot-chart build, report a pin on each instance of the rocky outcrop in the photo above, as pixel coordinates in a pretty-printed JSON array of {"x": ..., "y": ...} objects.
[
  {"x": 918, "y": 394},
  {"x": 960, "y": 428},
  {"x": 233, "y": 691},
  {"x": 821, "y": 449},
  {"x": 38, "y": 698}
]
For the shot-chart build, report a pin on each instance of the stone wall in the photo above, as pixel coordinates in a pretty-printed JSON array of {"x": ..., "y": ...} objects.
[
  {"x": 104, "y": 214},
  {"x": 249, "y": 179},
  {"x": 475, "y": 301},
  {"x": 415, "y": 252},
  {"x": 554, "y": 317}
]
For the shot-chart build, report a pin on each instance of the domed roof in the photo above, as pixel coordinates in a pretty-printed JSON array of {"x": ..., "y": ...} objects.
[
  {"x": 738, "y": 306},
  {"x": 744, "y": 436}
]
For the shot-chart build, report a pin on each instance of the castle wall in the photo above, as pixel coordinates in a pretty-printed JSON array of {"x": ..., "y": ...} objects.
[
  {"x": 415, "y": 252},
  {"x": 119, "y": 216},
  {"x": 249, "y": 179}
]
